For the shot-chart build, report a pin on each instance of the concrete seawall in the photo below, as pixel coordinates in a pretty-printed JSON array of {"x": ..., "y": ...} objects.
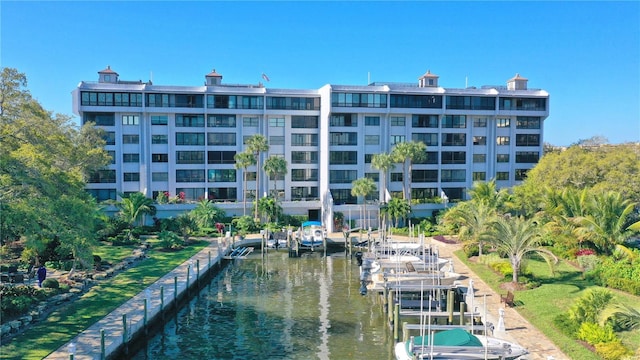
[{"x": 113, "y": 333}]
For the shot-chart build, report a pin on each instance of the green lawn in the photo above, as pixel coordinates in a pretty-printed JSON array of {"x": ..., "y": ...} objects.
[
  {"x": 64, "y": 324},
  {"x": 554, "y": 296}
]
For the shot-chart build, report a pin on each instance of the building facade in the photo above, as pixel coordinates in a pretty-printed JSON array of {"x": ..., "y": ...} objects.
[{"x": 182, "y": 140}]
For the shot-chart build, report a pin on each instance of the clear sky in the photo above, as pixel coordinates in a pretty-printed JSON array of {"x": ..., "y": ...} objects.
[{"x": 585, "y": 54}]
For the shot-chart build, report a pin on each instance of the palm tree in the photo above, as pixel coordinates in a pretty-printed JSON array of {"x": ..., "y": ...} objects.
[
  {"x": 519, "y": 238},
  {"x": 363, "y": 187},
  {"x": 186, "y": 225},
  {"x": 606, "y": 224},
  {"x": 383, "y": 162},
  {"x": 134, "y": 206},
  {"x": 397, "y": 209},
  {"x": 206, "y": 214},
  {"x": 269, "y": 208},
  {"x": 622, "y": 316},
  {"x": 486, "y": 193},
  {"x": 473, "y": 221},
  {"x": 257, "y": 144},
  {"x": 275, "y": 166},
  {"x": 243, "y": 161},
  {"x": 407, "y": 153}
]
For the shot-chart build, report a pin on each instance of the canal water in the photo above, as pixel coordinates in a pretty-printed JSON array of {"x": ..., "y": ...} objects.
[{"x": 278, "y": 307}]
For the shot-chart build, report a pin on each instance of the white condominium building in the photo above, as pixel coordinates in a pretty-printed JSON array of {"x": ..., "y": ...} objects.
[{"x": 182, "y": 139}]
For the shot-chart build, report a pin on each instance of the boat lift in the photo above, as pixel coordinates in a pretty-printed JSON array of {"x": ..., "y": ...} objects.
[{"x": 239, "y": 253}]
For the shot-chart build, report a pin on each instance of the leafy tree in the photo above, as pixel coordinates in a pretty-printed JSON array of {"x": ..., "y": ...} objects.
[
  {"x": 269, "y": 208},
  {"x": 186, "y": 226},
  {"x": 518, "y": 238},
  {"x": 396, "y": 209},
  {"x": 407, "y": 153},
  {"x": 473, "y": 221},
  {"x": 486, "y": 193},
  {"x": 275, "y": 167},
  {"x": 44, "y": 162},
  {"x": 243, "y": 161},
  {"x": 363, "y": 187},
  {"x": 257, "y": 144}
]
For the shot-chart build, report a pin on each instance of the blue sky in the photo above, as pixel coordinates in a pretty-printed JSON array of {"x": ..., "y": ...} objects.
[{"x": 585, "y": 54}]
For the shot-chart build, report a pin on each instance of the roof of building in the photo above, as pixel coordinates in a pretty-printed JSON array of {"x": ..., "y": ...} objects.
[{"x": 107, "y": 71}]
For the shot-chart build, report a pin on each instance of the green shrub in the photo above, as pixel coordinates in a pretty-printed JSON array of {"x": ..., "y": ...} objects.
[
  {"x": 50, "y": 284},
  {"x": 626, "y": 285},
  {"x": 594, "y": 334},
  {"x": 588, "y": 262},
  {"x": 588, "y": 306},
  {"x": 613, "y": 350},
  {"x": 16, "y": 305},
  {"x": 169, "y": 240},
  {"x": 566, "y": 324},
  {"x": 503, "y": 267}
]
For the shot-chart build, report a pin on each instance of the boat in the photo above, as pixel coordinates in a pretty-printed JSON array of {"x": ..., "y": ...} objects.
[
  {"x": 277, "y": 240},
  {"x": 457, "y": 344},
  {"x": 311, "y": 235}
]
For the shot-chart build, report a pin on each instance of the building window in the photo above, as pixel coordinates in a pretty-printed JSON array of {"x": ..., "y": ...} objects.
[
  {"x": 479, "y": 176},
  {"x": 480, "y": 122},
  {"x": 130, "y": 139},
  {"x": 343, "y": 196},
  {"x": 189, "y": 120},
  {"x": 424, "y": 193},
  {"x": 479, "y": 158},
  {"x": 396, "y": 176},
  {"x": 479, "y": 140},
  {"x": 424, "y": 121},
  {"x": 396, "y": 139},
  {"x": 359, "y": 100},
  {"x": 223, "y": 194},
  {"x": 159, "y": 120},
  {"x": 190, "y": 175},
  {"x": 221, "y": 121},
  {"x": 521, "y": 174},
  {"x": 190, "y": 138},
  {"x": 88, "y": 98},
  {"x": 429, "y": 139},
  {"x": 234, "y": 102},
  {"x": 304, "y": 157},
  {"x": 527, "y": 122},
  {"x": 292, "y": 103},
  {"x": 191, "y": 194},
  {"x": 529, "y": 157},
  {"x": 348, "y": 120},
  {"x": 221, "y": 175},
  {"x": 454, "y": 122},
  {"x": 100, "y": 119},
  {"x": 397, "y": 120},
  {"x": 343, "y": 157},
  {"x": 159, "y": 139},
  {"x": 110, "y": 137},
  {"x": 304, "y": 139},
  {"x": 373, "y": 176},
  {"x": 102, "y": 194},
  {"x": 221, "y": 157},
  {"x": 130, "y": 158},
  {"x": 367, "y": 158},
  {"x": 189, "y": 157},
  {"x": 103, "y": 177},
  {"x": 503, "y": 122},
  {"x": 112, "y": 154},
  {"x": 342, "y": 176},
  {"x": 502, "y": 158},
  {"x": 276, "y": 140},
  {"x": 131, "y": 176},
  {"x": 159, "y": 176},
  {"x": 527, "y": 139},
  {"x": 455, "y": 139},
  {"x": 130, "y": 120},
  {"x": 304, "y": 174},
  {"x": 453, "y": 157},
  {"x": 303, "y": 192},
  {"x": 304, "y": 122},
  {"x": 430, "y": 157},
  {"x": 502, "y": 175},
  {"x": 416, "y": 101},
  {"x": 276, "y": 122},
  {"x": 250, "y": 121},
  {"x": 343, "y": 138},
  {"x": 421, "y": 176},
  {"x": 221, "y": 139},
  {"x": 502, "y": 140},
  {"x": 372, "y": 120},
  {"x": 372, "y": 139},
  {"x": 160, "y": 158},
  {"x": 527, "y": 104},
  {"x": 458, "y": 175}
]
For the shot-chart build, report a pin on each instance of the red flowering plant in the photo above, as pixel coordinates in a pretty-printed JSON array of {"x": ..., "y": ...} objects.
[
  {"x": 585, "y": 252},
  {"x": 587, "y": 259}
]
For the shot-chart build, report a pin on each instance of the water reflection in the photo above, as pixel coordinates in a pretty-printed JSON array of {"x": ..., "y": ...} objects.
[{"x": 278, "y": 308}]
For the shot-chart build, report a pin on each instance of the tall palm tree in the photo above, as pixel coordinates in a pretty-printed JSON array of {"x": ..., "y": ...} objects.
[
  {"x": 275, "y": 166},
  {"x": 407, "y": 153},
  {"x": 485, "y": 192},
  {"x": 243, "y": 161},
  {"x": 269, "y": 208},
  {"x": 134, "y": 206},
  {"x": 383, "y": 162},
  {"x": 257, "y": 144},
  {"x": 519, "y": 238},
  {"x": 363, "y": 187},
  {"x": 397, "y": 209}
]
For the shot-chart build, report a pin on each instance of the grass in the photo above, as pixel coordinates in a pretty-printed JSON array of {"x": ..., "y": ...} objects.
[
  {"x": 553, "y": 297},
  {"x": 65, "y": 323}
]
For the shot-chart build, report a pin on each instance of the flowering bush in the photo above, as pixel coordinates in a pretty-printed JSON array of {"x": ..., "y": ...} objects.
[{"x": 585, "y": 252}]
